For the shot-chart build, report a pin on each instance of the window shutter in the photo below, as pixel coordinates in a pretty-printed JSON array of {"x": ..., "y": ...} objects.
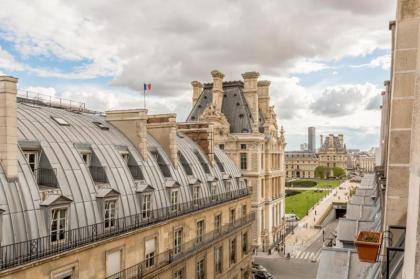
[
  {"x": 150, "y": 246},
  {"x": 113, "y": 263}
]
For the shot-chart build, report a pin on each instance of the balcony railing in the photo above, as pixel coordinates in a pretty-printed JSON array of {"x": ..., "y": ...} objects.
[
  {"x": 34, "y": 249},
  {"x": 98, "y": 174},
  {"x": 191, "y": 247}
]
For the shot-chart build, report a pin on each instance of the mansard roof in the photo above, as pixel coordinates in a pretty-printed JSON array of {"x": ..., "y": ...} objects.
[
  {"x": 234, "y": 107},
  {"x": 23, "y": 199}
]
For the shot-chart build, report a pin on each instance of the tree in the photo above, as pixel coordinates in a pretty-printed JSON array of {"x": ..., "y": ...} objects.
[
  {"x": 320, "y": 172},
  {"x": 338, "y": 172}
]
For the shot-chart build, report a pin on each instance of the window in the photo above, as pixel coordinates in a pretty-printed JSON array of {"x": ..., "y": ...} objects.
[
  {"x": 222, "y": 146},
  {"x": 174, "y": 200},
  {"x": 213, "y": 190},
  {"x": 150, "y": 252},
  {"x": 200, "y": 231},
  {"x": 219, "y": 164},
  {"x": 110, "y": 213},
  {"x": 185, "y": 164},
  {"x": 218, "y": 223},
  {"x": 218, "y": 259},
  {"x": 200, "y": 269},
  {"x": 202, "y": 162},
  {"x": 125, "y": 157},
  {"x": 196, "y": 194},
  {"x": 232, "y": 216},
  {"x": 244, "y": 211},
  {"x": 87, "y": 158},
  {"x": 244, "y": 243},
  {"x": 232, "y": 251},
  {"x": 58, "y": 224},
  {"x": 60, "y": 121},
  {"x": 244, "y": 164},
  {"x": 101, "y": 125},
  {"x": 64, "y": 274},
  {"x": 262, "y": 161},
  {"x": 179, "y": 274},
  {"x": 32, "y": 159},
  {"x": 162, "y": 164},
  {"x": 178, "y": 241},
  {"x": 146, "y": 206},
  {"x": 113, "y": 262},
  {"x": 243, "y": 146}
]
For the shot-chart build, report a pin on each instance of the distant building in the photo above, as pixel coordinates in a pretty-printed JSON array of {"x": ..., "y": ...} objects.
[
  {"x": 333, "y": 153},
  {"x": 304, "y": 147},
  {"x": 301, "y": 164},
  {"x": 311, "y": 139}
]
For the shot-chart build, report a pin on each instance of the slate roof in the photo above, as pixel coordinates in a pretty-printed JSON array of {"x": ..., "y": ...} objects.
[{"x": 234, "y": 107}]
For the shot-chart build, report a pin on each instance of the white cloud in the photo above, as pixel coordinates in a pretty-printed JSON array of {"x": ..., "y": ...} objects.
[
  {"x": 383, "y": 62},
  {"x": 307, "y": 66}
]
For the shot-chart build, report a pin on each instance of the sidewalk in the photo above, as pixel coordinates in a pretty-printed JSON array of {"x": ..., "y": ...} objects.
[{"x": 305, "y": 232}]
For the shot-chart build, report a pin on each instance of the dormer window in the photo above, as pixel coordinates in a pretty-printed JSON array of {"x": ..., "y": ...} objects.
[
  {"x": 196, "y": 194},
  {"x": 125, "y": 156},
  {"x": 32, "y": 157},
  {"x": 110, "y": 213},
  {"x": 219, "y": 164},
  {"x": 101, "y": 125},
  {"x": 146, "y": 205},
  {"x": 87, "y": 157},
  {"x": 202, "y": 162},
  {"x": 162, "y": 164},
  {"x": 58, "y": 224},
  {"x": 185, "y": 164}
]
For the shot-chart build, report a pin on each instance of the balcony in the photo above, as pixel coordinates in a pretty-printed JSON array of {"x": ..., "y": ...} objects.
[
  {"x": 39, "y": 248},
  {"x": 187, "y": 249}
]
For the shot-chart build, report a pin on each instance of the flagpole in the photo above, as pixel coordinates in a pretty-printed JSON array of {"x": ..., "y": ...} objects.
[{"x": 144, "y": 100}]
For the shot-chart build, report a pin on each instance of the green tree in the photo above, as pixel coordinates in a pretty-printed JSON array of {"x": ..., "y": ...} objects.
[
  {"x": 338, "y": 172},
  {"x": 320, "y": 172}
]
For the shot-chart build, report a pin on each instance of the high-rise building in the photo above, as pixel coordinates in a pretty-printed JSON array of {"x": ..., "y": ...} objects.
[
  {"x": 246, "y": 129},
  {"x": 311, "y": 139},
  {"x": 118, "y": 195}
]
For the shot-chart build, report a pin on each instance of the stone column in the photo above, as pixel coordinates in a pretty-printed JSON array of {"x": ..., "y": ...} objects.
[
  {"x": 197, "y": 89},
  {"x": 217, "y": 91},
  {"x": 250, "y": 91},
  {"x": 8, "y": 127}
]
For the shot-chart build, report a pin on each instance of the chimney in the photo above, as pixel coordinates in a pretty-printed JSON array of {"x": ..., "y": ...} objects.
[
  {"x": 322, "y": 140},
  {"x": 202, "y": 134},
  {"x": 217, "y": 91},
  {"x": 251, "y": 96},
  {"x": 163, "y": 128},
  {"x": 132, "y": 123},
  {"x": 8, "y": 127},
  {"x": 263, "y": 95},
  {"x": 197, "y": 89},
  {"x": 341, "y": 139}
]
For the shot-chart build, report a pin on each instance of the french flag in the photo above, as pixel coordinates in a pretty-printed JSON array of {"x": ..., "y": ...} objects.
[{"x": 147, "y": 87}]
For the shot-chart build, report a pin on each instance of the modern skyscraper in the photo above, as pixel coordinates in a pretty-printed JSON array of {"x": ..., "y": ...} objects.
[{"x": 311, "y": 139}]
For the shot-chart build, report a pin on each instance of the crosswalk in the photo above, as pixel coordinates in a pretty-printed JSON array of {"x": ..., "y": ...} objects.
[{"x": 304, "y": 255}]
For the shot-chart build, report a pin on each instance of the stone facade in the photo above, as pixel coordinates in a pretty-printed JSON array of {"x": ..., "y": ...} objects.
[
  {"x": 245, "y": 127},
  {"x": 301, "y": 164},
  {"x": 333, "y": 153}
]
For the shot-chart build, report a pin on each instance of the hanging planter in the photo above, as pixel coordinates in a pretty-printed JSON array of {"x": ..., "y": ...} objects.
[{"x": 368, "y": 244}]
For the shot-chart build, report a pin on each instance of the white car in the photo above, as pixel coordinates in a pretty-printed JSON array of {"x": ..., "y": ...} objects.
[{"x": 291, "y": 217}]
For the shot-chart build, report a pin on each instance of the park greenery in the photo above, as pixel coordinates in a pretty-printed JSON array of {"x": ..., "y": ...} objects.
[
  {"x": 316, "y": 183},
  {"x": 300, "y": 202},
  {"x": 323, "y": 172}
]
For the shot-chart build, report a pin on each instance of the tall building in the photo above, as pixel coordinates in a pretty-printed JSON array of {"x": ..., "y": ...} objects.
[
  {"x": 301, "y": 164},
  {"x": 117, "y": 195},
  {"x": 246, "y": 129},
  {"x": 311, "y": 139}
]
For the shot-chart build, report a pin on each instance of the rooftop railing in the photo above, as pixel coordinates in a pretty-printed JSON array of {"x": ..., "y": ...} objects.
[
  {"x": 193, "y": 246},
  {"x": 35, "y": 98},
  {"x": 35, "y": 249}
]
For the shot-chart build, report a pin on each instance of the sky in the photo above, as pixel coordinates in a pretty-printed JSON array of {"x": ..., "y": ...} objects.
[{"x": 327, "y": 59}]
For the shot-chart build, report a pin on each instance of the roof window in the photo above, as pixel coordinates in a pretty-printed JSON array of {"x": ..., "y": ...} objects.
[
  {"x": 101, "y": 125},
  {"x": 60, "y": 121}
]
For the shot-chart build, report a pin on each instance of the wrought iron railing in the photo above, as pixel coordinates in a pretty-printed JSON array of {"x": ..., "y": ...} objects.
[
  {"x": 191, "y": 247},
  {"x": 98, "y": 174},
  {"x": 394, "y": 251},
  {"x": 34, "y": 249},
  {"x": 46, "y": 177}
]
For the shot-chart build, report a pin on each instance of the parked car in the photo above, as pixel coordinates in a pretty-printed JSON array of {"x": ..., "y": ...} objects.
[
  {"x": 258, "y": 267},
  {"x": 262, "y": 275},
  {"x": 290, "y": 217}
]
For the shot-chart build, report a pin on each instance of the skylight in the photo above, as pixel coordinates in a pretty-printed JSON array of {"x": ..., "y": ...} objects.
[
  {"x": 101, "y": 125},
  {"x": 60, "y": 121}
]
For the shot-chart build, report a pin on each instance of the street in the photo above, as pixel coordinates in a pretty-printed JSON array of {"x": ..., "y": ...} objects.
[{"x": 288, "y": 269}]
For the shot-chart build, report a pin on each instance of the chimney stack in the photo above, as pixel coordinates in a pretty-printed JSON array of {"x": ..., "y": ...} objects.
[
  {"x": 8, "y": 127},
  {"x": 263, "y": 95},
  {"x": 217, "y": 90},
  {"x": 251, "y": 96},
  {"x": 197, "y": 89}
]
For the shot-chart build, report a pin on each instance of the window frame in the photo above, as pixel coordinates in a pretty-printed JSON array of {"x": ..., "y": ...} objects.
[
  {"x": 146, "y": 213},
  {"x": 174, "y": 194},
  {"x": 232, "y": 251},
  {"x": 58, "y": 231},
  {"x": 218, "y": 259},
  {"x": 111, "y": 219},
  {"x": 37, "y": 157},
  {"x": 243, "y": 161},
  {"x": 200, "y": 230},
  {"x": 200, "y": 268},
  {"x": 178, "y": 239}
]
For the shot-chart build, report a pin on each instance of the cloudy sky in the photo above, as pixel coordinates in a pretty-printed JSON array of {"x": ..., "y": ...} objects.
[{"x": 327, "y": 59}]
